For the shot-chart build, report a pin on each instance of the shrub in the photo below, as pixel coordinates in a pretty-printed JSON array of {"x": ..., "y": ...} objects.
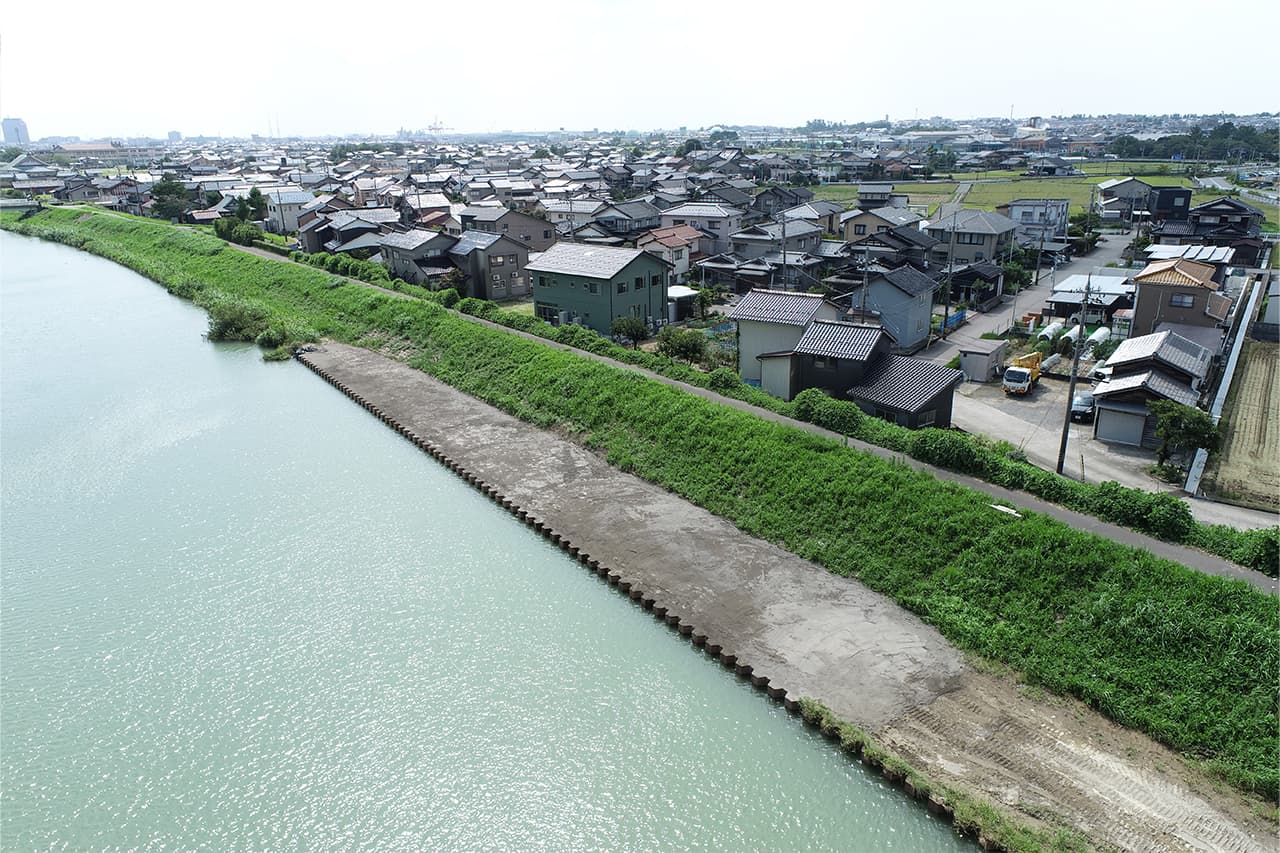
[
  {"x": 233, "y": 319},
  {"x": 723, "y": 380},
  {"x": 449, "y": 298}
]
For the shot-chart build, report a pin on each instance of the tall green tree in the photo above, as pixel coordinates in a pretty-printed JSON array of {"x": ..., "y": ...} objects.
[
  {"x": 257, "y": 204},
  {"x": 687, "y": 345},
  {"x": 632, "y": 328},
  {"x": 1183, "y": 428}
]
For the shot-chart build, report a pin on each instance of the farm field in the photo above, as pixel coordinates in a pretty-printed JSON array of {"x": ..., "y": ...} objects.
[{"x": 1247, "y": 471}]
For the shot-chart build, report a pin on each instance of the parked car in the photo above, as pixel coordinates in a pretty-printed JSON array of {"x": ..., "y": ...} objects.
[{"x": 1082, "y": 408}]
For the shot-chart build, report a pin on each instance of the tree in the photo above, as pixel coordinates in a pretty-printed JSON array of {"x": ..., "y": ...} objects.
[
  {"x": 169, "y": 198},
  {"x": 689, "y": 345},
  {"x": 689, "y": 145},
  {"x": 706, "y": 296},
  {"x": 243, "y": 209},
  {"x": 724, "y": 136},
  {"x": 10, "y": 153},
  {"x": 1183, "y": 428},
  {"x": 257, "y": 204},
  {"x": 632, "y": 328},
  {"x": 541, "y": 154},
  {"x": 212, "y": 197}
]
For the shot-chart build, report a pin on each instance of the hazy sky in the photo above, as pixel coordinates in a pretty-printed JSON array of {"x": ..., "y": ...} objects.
[{"x": 229, "y": 68}]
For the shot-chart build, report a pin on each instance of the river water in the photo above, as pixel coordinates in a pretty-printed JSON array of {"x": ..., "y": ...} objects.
[{"x": 237, "y": 612}]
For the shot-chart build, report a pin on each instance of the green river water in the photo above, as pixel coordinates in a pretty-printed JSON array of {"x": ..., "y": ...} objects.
[{"x": 238, "y": 613}]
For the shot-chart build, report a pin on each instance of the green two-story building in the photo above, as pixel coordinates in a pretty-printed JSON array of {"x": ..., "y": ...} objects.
[{"x": 592, "y": 285}]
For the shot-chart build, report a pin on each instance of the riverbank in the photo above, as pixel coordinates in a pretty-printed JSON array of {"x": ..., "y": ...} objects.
[
  {"x": 797, "y": 630},
  {"x": 1188, "y": 658}
]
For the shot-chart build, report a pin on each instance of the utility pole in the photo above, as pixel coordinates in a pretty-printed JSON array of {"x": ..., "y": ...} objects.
[
  {"x": 1075, "y": 373},
  {"x": 784, "y": 249},
  {"x": 1040, "y": 250},
  {"x": 951, "y": 267}
]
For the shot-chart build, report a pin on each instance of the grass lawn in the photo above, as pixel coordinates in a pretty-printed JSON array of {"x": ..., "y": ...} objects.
[{"x": 931, "y": 193}]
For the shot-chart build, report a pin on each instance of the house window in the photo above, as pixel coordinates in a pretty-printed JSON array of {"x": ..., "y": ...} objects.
[
  {"x": 655, "y": 280},
  {"x": 678, "y": 254},
  {"x": 504, "y": 228},
  {"x": 546, "y": 233},
  {"x": 826, "y": 363},
  {"x": 593, "y": 287},
  {"x": 639, "y": 282},
  {"x": 927, "y": 418},
  {"x": 880, "y": 229},
  {"x": 496, "y": 261},
  {"x": 677, "y": 222},
  {"x": 1181, "y": 300},
  {"x": 1209, "y": 220},
  {"x": 622, "y": 286},
  {"x": 542, "y": 281},
  {"x": 977, "y": 256},
  {"x": 715, "y": 226},
  {"x": 859, "y": 229}
]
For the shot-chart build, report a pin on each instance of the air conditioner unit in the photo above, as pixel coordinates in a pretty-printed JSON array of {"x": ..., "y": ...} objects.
[{"x": 564, "y": 317}]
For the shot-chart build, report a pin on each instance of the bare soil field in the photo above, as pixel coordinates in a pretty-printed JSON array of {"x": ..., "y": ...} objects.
[{"x": 1247, "y": 471}]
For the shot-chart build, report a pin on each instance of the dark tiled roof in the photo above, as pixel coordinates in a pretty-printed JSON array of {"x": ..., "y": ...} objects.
[
  {"x": 1171, "y": 348},
  {"x": 904, "y": 383},
  {"x": 1152, "y": 381},
  {"x": 834, "y": 339},
  {"x": 776, "y": 306},
  {"x": 910, "y": 280}
]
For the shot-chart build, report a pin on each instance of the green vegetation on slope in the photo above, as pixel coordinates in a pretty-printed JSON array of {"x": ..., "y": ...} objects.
[{"x": 1188, "y": 658}]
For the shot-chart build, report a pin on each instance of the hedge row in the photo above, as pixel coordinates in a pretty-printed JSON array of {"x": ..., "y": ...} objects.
[
  {"x": 1188, "y": 658},
  {"x": 1159, "y": 514}
]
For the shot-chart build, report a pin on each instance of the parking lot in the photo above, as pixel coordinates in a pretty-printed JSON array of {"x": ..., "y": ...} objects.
[{"x": 1034, "y": 423}]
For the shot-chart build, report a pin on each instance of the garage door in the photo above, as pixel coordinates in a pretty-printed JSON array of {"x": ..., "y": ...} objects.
[{"x": 1120, "y": 427}]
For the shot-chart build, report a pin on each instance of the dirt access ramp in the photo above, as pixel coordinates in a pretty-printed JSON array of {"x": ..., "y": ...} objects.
[
  {"x": 1248, "y": 467},
  {"x": 819, "y": 635}
]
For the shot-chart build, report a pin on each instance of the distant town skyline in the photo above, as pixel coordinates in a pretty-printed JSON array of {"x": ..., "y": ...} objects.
[{"x": 239, "y": 69}]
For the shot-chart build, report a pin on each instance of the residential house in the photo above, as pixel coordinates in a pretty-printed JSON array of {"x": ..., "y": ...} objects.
[
  {"x": 1169, "y": 203},
  {"x": 969, "y": 235},
  {"x": 860, "y": 222},
  {"x": 573, "y": 211},
  {"x": 896, "y": 246},
  {"x": 677, "y": 245},
  {"x": 831, "y": 355},
  {"x": 1222, "y": 222},
  {"x": 909, "y": 392},
  {"x": 773, "y": 270},
  {"x": 855, "y": 361},
  {"x": 493, "y": 264},
  {"x": 1161, "y": 366},
  {"x": 1096, "y": 296},
  {"x": 774, "y": 321},
  {"x": 901, "y": 298},
  {"x": 1120, "y": 197},
  {"x": 537, "y": 234},
  {"x": 774, "y": 200},
  {"x": 283, "y": 207},
  {"x": 979, "y": 285},
  {"x": 417, "y": 256},
  {"x": 755, "y": 241},
  {"x": 873, "y": 196},
  {"x": 628, "y": 219},
  {"x": 824, "y": 214},
  {"x": 717, "y": 221},
  {"x": 1177, "y": 291},
  {"x": 1051, "y": 167},
  {"x": 341, "y": 230},
  {"x": 594, "y": 285},
  {"x": 1040, "y": 223}
]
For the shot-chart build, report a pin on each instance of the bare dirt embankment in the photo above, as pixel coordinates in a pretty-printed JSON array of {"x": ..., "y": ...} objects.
[{"x": 1047, "y": 760}]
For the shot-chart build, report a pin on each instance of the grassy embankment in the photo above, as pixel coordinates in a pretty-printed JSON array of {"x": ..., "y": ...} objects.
[{"x": 1187, "y": 658}]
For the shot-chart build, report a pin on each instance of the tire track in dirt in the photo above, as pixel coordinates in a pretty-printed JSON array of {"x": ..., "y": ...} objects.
[{"x": 1058, "y": 762}]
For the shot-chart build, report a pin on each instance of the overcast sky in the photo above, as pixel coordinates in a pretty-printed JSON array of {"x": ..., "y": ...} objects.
[{"x": 232, "y": 68}]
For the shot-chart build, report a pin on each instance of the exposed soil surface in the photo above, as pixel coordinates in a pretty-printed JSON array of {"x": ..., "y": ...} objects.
[
  {"x": 1248, "y": 468},
  {"x": 830, "y": 638}
]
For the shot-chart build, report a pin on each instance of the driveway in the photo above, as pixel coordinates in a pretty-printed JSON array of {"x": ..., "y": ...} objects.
[{"x": 1034, "y": 424}]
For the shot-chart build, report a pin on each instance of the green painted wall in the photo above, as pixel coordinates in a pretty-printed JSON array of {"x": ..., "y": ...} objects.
[{"x": 553, "y": 293}]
